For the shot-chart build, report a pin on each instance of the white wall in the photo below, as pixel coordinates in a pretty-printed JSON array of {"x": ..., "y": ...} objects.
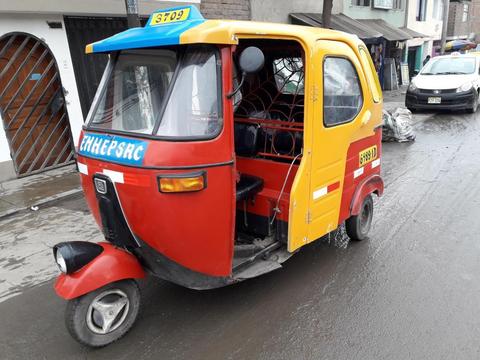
[
  {"x": 98, "y": 7},
  {"x": 278, "y": 10},
  {"x": 431, "y": 27},
  {"x": 395, "y": 17},
  {"x": 4, "y": 149}
]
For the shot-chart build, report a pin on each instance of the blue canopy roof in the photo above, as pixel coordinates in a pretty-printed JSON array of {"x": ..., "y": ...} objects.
[{"x": 154, "y": 33}]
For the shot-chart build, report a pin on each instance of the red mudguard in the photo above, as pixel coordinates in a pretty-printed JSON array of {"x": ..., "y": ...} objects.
[
  {"x": 113, "y": 264},
  {"x": 372, "y": 184}
]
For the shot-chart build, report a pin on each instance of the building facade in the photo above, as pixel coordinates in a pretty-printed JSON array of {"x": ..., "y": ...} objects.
[
  {"x": 424, "y": 17},
  {"x": 460, "y": 20}
]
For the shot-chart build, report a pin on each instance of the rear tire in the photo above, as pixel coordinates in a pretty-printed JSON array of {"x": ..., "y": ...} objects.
[
  {"x": 358, "y": 226},
  {"x": 104, "y": 315}
]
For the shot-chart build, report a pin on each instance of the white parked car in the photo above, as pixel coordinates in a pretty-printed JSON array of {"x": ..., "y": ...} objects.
[{"x": 448, "y": 82}]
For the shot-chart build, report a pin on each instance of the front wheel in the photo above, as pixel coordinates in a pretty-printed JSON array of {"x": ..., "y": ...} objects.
[
  {"x": 358, "y": 226},
  {"x": 103, "y": 316},
  {"x": 474, "y": 107}
]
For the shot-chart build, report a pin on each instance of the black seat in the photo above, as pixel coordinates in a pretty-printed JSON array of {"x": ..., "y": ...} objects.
[
  {"x": 248, "y": 186},
  {"x": 246, "y": 139}
]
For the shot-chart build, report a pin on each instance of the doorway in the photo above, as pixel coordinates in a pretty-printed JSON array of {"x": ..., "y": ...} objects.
[{"x": 32, "y": 105}]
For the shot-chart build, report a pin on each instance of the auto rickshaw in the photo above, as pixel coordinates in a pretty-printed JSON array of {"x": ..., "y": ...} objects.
[{"x": 213, "y": 151}]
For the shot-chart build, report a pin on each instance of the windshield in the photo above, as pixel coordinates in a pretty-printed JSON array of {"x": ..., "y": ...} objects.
[
  {"x": 450, "y": 66},
  {"x": 165, "y": 92}
]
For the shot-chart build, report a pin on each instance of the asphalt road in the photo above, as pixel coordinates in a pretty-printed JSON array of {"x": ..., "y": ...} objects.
[{"x": 411, "y": 291}]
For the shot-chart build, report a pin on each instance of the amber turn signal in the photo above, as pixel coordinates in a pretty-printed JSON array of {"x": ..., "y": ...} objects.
[{"x": 182, "y": 183}]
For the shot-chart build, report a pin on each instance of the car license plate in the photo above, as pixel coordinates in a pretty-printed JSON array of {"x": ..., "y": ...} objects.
[
  {"x": 367, "y": 155},
  {"x": 434, "y": 100},
  {"x": 165, "y": 17}
]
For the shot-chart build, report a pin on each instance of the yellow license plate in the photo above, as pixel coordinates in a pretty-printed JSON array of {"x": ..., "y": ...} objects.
[
  {"x": 367, "y": 155},
  {"x": 166, "y": 17}
]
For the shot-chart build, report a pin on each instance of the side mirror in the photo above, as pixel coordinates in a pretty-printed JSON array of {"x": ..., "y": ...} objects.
[
  {"x": 415, "y": 72},
  {"x": 251, "y": 61}
]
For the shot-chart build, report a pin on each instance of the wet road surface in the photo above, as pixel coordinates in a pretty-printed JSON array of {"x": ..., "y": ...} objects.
[{"x": 411, "y": 291}]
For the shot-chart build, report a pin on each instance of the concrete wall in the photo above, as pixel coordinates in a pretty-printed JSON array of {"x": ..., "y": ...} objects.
[
  {"x": 72, "y": 7},
  {"x": 431, "y": 27},
  {"x": 395, "y": 17},
  {"x": 226, "y": 9},
  {"x": 278, "y": 10},
  {"x": 457, "y": 28},
  {"x": 476, "y": 19}
]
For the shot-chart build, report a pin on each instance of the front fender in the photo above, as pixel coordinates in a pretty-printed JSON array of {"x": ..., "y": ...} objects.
[
  {"x": 113, "y": 264},
  {"x": 372, "y": 184}
]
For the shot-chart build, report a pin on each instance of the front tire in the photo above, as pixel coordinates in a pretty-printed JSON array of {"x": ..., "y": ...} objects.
[
  {"x": 358, "y": 226},
  {"x": 104, "y": 315},
  {"x": 474, "y": 107}
]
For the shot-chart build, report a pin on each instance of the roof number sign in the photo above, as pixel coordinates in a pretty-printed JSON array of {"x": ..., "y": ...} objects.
[{"x": 165, "y": 17}]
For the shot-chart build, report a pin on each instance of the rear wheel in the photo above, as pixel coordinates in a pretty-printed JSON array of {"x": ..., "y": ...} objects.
[
  {"x": 358, "y": 226},
  {"x": 104, "y": 315}
]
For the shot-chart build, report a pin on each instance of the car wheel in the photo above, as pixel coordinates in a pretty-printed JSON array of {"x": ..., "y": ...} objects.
[
  {"x": 474, "y": 107},
  {"x": 358, "y": 226},
  {"x": 103, "y": 316},
  {"x": 412, "y": 110}
]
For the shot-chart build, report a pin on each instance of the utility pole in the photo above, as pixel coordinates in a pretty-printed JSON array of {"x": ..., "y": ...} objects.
[
  {"x": 446, "y": 4},
  {"x": 327, "y": 13},
  {"x": 132, "y": 13}
]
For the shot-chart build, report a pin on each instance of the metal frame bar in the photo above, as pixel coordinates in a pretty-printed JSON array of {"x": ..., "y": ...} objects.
[
  {"x": 8, "y": 44},
  {"x": 39, "y": 118},
  {"x": 20, "y": 88},
  {"x": 15, "y": 55},
  {"x": 32, "y": 91},
  {"x": 54, "y": 146},
  {"x": 34, "y": 162},
  {"x": 10, "y": 82}
]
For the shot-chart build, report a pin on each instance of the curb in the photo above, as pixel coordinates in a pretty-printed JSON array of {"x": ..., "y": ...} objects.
[{"x": 45, "y": 201}]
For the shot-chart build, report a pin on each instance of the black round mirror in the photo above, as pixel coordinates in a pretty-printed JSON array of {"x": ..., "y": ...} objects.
[{"x": 251, "y": 60}]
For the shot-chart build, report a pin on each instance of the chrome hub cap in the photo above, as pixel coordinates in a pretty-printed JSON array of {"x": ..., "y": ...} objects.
[{"x": 107, "y": 311}]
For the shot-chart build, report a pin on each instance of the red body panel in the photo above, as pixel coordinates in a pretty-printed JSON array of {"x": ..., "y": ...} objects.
[
  {"x": 352, "y": 183},
  {"x": 194, "y": 229},
  {"x": 372, "y": 184},
  {"x": 273, "y": 174},
  {"x": 111, "y": 265}
]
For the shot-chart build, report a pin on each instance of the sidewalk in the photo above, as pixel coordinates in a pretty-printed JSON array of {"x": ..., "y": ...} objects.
[
  {"x": 38, "y": 190},
  {"x": 394, "y": 98}
]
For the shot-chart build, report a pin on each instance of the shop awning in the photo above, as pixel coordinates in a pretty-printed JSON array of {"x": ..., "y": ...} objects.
[
  {"x": 413, "y": 33},
  {"x": 340, "y": 22},
  {"x": 389, "y": 32}
]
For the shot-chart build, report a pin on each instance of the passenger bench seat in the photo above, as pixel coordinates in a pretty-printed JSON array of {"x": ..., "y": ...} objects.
[{"x": 248, "y": 186}]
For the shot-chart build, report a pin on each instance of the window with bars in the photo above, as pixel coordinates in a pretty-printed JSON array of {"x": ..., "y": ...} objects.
[
  {"x": 361, "y": 2},
  {"x": 421, "y": 10}
]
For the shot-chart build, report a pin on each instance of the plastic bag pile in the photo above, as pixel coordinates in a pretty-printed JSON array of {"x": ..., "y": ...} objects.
[{"x": 396, "y": 126}]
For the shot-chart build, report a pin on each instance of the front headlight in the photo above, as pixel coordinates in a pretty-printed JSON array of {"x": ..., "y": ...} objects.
[
  {"x": 412, "y": 87},
  {"x": 464, "y": 87},
  {"x": 62, "y": 265},
  {"x": 72, "y": 256}
]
